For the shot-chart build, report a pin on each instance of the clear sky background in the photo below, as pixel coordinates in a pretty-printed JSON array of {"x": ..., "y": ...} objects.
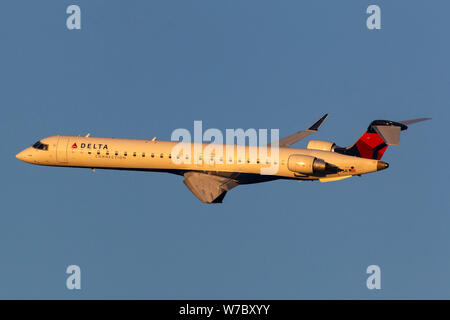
[{"x": 139, "y": 69}]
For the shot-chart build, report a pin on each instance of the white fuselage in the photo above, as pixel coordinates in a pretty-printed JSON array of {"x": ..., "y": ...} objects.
[{"x": 133, "y": 154}]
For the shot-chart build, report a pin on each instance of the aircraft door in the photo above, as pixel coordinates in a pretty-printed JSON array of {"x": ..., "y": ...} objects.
[{"x": 61, "y": 149}]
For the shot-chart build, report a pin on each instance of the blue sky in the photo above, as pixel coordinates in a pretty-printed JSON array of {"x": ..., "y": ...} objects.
[{"x": 140, "y": 69}]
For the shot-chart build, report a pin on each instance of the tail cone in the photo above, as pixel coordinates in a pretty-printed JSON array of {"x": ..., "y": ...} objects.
[{"x": 381, "y": 165}]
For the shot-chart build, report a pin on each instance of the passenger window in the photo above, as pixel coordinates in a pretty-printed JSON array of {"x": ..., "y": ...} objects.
[
  {"x": 107, "y": 153},
  {"x": 161, "y": 155},
  {"x": 134, "y": 154},
  {"x": 143, "y": 154},
  {"x": 170, "y": 156},
  {"x": 116, "y": 153},
  {"x": 98, "y": 152},
  {"x": 153, "y": 155},
  {"x": 125, "y": 153}
]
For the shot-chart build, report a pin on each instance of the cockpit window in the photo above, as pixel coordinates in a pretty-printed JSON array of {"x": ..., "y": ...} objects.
[{"x": 41, "y": 146}]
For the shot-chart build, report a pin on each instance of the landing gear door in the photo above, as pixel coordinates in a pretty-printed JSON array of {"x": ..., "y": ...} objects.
[{"x": 61, "y": 149}]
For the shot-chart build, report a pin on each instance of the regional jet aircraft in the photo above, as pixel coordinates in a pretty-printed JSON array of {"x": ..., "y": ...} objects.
[{"x": 209, "y": 175}]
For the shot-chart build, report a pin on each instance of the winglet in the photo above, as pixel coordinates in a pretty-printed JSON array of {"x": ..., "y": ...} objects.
[
  {"x": 318, "y": 123},
  {"x": 293, "y": 138}
]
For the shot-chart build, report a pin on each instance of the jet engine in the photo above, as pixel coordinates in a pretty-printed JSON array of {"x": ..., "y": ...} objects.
[
  {"x": 321, "y": 145},
  {"x": 306, "y": 164}
]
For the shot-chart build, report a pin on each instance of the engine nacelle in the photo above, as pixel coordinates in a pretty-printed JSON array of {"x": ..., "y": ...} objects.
[
  {"x": 321, "y": 145},
  {"x": 306, "y": 164}
]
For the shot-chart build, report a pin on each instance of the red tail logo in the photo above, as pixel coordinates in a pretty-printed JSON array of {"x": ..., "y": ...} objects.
[
  {"x": 371, "y": 146},
  {"x": 74, "y": 145}
]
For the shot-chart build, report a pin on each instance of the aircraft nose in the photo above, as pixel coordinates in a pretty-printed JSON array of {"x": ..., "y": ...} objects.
[
  {"x": 24, "y": 155},
  {"x": 20, "y": 155},
  {"x": 381, "y": 165}
]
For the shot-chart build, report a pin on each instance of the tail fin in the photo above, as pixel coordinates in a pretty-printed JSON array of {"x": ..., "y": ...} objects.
[{"x": 379, "y": 135}]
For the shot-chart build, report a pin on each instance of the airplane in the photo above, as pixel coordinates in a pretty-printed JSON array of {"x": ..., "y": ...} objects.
[{"x": 210, "y": 178}]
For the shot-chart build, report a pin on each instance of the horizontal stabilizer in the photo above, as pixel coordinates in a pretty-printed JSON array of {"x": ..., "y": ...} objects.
[
  {"x": 407, "y": 122},
  {"x": 391, "y": 133}
]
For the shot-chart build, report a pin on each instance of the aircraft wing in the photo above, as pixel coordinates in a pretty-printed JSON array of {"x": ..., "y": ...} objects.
[
  {"x": 208, "y": 188},
  {"x": 287, "y": 141}
]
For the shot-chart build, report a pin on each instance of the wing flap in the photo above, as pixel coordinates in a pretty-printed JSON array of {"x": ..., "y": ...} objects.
[{"x": 208, "y": 188}]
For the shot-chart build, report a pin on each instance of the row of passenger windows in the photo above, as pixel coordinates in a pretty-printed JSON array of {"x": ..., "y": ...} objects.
[
  {"x": 162, "y": 155},
  {"x": 135, "y": 154}
]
